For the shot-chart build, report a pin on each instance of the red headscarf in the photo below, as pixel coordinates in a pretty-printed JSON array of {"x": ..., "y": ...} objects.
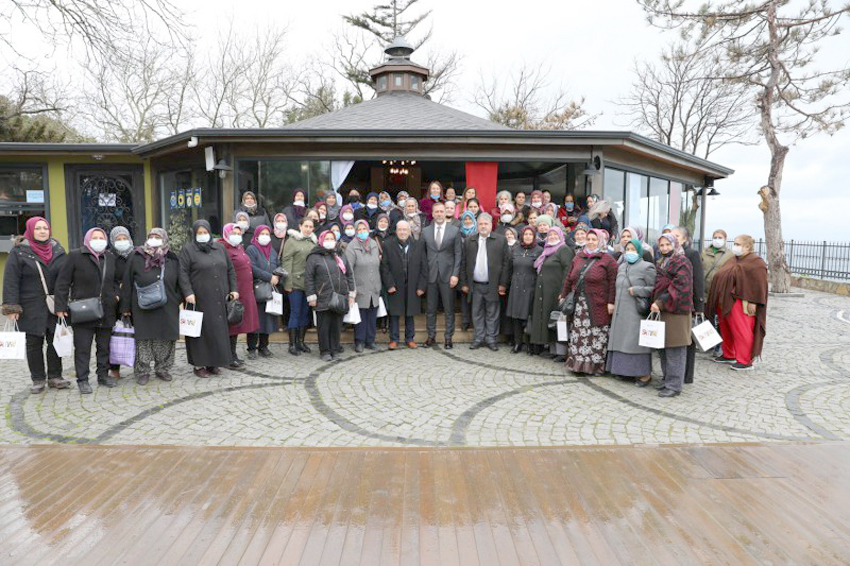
[
  {"x": 44, "y": 250},
  {"x": 267, "y": 249}
]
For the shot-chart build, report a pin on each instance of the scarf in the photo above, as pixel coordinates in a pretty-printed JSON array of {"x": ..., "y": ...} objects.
[
  {"x": 278, "y": 233},
  {"x": 603, "y": 240},
  {"x": 742, "y": 278},
  {"x": 87, "y": 241},
  {"x": 300, "y": 211},
  {"x": 539, "y": 196},
  {"x": 333, "y": 210},
  {"x": 472, "y": 230},
  {"x": 545, "y": 218},
  {"x": 43, "y": 250},
  {"x": 367, "y": 243},
  {"x": 201, "y": 224},
  {"x": 333, "y": 252},
  {"x": 242, "y": 214},
  {"x": 250, "y": 209},
  {"x": 522, "y": 237},
  {"x": 267, "y": 249},
  {"x": 155, "y": 257},
  {"x": 549, "y": 249},
  {"x": 677, "y": 249},
  {"x": 225, "y": 233},
  {"x": 113, "y": 237}
]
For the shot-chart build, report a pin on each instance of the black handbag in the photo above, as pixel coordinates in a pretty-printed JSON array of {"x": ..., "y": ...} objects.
[
  {"x": 568, "y": 305},
  {"x": 82, "y": 311},
  {"x": 235, "y": 311},
  {"x": 338, "y": 303},
  {"x": 642, "y": 303},
  {"x": 152, "y": 296},
  {"x": 262, "y": 291}
]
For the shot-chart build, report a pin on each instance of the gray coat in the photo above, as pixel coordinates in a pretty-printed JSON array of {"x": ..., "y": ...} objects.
[
  {"x": 366, "y": 268},
  {"x": 625, "y": 323},
  {"x": 443, "y": 262}
]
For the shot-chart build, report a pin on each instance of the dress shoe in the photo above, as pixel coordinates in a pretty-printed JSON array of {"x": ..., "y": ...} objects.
[
  {"x": 475, "y": 345},
  {"x": 448, "y": 345},
  {"x": 392, "y": 346},
  {"x": 58, "y": 383},
  {"x": 164, "y": 375},
  {"x": 265, "y": 353},
  {"x": 493, "y": 347},
  {"x": 430, "y": 343},
  {"x": 412, "y": 345},
  {"x": 371, "y": 347},
  {"x": 38, "y": 387},
  {"x": 202, "y": 372},
  {"x": 115, "y": 374},
  {"x": 643, "y": 383},
  {"x": 326, "y": 357},
  {"x": 85, "y": 388},
  {"x": 252, "y": 354},
  {"x": 143, "y": 379},
  {"x": 668, "y": 393},
  {"x": 214, "y": 371},
  {"x": 106, "y": 382},
  {"x": 517, "y": 348},
  {"x": 358, "y": 347}
]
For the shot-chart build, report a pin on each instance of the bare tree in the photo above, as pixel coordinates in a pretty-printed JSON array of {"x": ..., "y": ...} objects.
[
  {"x": 388, "y": 21},
  {"x": 266, "y": 82},
  {"x": 770, "y": 47},
  {"x": 219, "y": 82},
  {"x": 34, "y": 108},
  {"x": 680, "y": 101},
  {"x": 524, "y": 103}
]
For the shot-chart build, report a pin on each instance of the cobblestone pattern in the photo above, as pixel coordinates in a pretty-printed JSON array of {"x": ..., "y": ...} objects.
[{"x": 800, "y": 391}]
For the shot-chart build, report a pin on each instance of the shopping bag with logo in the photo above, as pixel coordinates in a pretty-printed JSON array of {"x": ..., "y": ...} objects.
[
  {"x": 563, "y": 331},
  {"x": 275, "y": 305},
  {"x": 190, "y": 322},
  {"x": 652, "y": 332},
  {"x": 382, "y": 308},
  {"x": 122, "y": 344},
  {"x": 353, "y": 315},
  {"x": 705, "y": 334},
  {"x": 63, "y": 339},
  {"x": 13, "y": 343}
]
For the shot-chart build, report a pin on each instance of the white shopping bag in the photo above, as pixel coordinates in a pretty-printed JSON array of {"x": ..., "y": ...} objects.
[
  {"x": 382, "y": 308},
  {"x": 275, "y": 306},
  {"x": 13, "y": 344},
  {"x": 63, "y": 339},
  {"x": 191, "y": 322},
  {"x": 563, "y": 331},
  {"x": 704, "y": 334},
  {"x": 353, "y": 315},
  {"x": 652, "y": 332}
]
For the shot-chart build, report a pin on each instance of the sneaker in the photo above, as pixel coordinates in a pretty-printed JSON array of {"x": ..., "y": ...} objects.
[
  {"x": 738, "y": 366},
  {"x": 265, "y": 353},
  {"x": 722, "y": 360},
  {"x": 393, "y": 346},
  {"x": 252, "y": 354},
  {"x": 326, "y": 357},
  {"x": 38, "y": 387},
  {"x": 412, "y": 345}
]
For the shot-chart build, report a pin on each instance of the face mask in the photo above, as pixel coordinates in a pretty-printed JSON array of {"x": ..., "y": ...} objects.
[
  {"x": 737, "y": 250},
  {"x": 384, "y": 229},
  {"x": 336, "y": 235},
  {"x": 298, "y": 202},
  {"x": 632, "y": 257},
  {"x": 242, "y": 224},
  {"x": 280, "y": 226},
  {"x": 98, "y": 245},
  {"x": 123, "y": 245},
  {"x": 264, "y": 240},
  {"x": 569, "y": 206},
  {"x": 363, "y": 236},
  {"x": 536, "y": 203},
  {"x": 435, "y": 197},
  {"x": 234, "y": 240},
  {"x": 349, "y": 232},
  {"x": 353, "y": 198},
  {"x": 371, "y": 206},
  {"x": 201, "y": 238},
  {"x": 154, "y": 242},
  {"x": 322, "y": 216},
  {"x": 511, "y": 241},
  {"x": 719, "y": 243},
  {"x": 507, "y": 218},
  {"x": 386, "y": 203},
  {"x": 328, "y": 245},
  {"x": 348, "y": 216}
]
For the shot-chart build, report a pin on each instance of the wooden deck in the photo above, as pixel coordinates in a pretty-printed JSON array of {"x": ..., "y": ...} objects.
[{"x": 731, "y": 504}]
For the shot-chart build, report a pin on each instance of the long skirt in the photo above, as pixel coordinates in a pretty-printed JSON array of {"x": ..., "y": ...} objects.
[
  {"x": 629, "y": 365},
  {"x": 160, "y": 352},
  {"x": 588, "y": 344}
]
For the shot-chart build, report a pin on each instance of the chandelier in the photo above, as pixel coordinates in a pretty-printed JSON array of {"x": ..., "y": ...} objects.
[{"x": 399, "y": 167}]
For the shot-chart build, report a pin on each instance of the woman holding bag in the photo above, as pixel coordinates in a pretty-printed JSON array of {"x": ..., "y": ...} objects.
[
  {"x": 232, "y": 242},
  {"x": 121, "y": 245},
  {"x": 87, "y": 289},
  {"x": 552, "y": 266},
  {"x": 264, "y": 264},
  {"x": 29, "y": 278},
  {"x": 153, "y": 265},
  {"x": 364, "y": 257},
  {"x": 207, "y": 278}
]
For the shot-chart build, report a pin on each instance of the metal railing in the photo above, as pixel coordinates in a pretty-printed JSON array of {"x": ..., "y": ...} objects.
[{"x": 822, "y": 260}]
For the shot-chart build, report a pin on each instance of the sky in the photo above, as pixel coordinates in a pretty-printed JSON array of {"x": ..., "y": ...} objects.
[{"x": 590, "y": 48}]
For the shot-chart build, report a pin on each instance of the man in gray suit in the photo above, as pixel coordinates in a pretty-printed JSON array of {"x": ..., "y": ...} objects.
[
  {"x": 443, "y": 251},
  {"x": 485, "y": 272}
]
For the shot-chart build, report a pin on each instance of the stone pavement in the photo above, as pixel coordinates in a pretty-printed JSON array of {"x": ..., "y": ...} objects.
[{"x": 425, "y": 398}]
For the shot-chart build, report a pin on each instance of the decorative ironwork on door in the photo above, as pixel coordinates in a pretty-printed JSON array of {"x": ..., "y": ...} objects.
[{"x": 106, "y": 202}]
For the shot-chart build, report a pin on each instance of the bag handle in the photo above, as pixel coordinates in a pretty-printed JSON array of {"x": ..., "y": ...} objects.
[
  {"x": 654, "y": 316},
  {"x": 14, "y": 324},
  {"x": 41, "y": 275}
]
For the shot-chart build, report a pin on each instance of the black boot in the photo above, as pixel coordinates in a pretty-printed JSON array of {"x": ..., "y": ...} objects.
[
  {"x": 301, "y": 344},
  {"x": 293, "y": 342}
]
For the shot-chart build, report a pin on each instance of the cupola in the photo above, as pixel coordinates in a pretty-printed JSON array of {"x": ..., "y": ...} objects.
[{"x": 398, "y": 73}]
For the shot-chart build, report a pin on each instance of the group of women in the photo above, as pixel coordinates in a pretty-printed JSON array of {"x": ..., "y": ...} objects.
[{"x": 331, "y": 256}]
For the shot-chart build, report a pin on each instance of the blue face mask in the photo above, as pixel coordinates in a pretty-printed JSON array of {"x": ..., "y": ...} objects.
[
  {"x": 363, "y": 236},
  {"x": 386, "y": 203},
  {"x": 632, "y": 257},
  {"x": 435, "y": 197},
  {"x": 569, "y": 206}
]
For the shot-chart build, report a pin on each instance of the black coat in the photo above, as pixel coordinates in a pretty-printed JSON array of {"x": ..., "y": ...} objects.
[
  {"x": 322, "y": 277},
  {"x": 157, "y": 324},
  {"x": 550, "y": 281},
  {"x": 523, "y": 281},
  {"x": 404, "y": 302},
  {"x": 699, "y": 277},
  {"x": 23, "y": 292},
  {"x": 209, "y": 275},
  {"x": 498, "y": 263},
  {"x": 82, "y": 278},
  {"x": 263, "y": 269},
  {"x": 370, "y": 216}
]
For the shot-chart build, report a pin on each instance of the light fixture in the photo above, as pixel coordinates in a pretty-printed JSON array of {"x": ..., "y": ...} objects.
[
  {"x": 193, "y": 141},
  {"x": 712, "y": 192},
  {"x": 593, "y": 167},
  {"x": 222, "y": 167}
]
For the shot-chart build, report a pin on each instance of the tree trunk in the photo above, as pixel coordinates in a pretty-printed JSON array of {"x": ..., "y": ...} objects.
[{"x": 778, "y": 274}]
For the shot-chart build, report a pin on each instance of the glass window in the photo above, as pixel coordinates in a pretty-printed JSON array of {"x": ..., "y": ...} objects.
[
  {"x": 277, "y": 180},
  {"x": 398, "y": 79},
  {"x": 636, "y": 200},
  {"x": 178, "y": 213},
  {"x": 690, "y": 215},
  {"x": 382, "y": 82},
  {"x": 22, "y": 196},
  {"x": 414, "y": 82},
  {"x": 657, "y": 207},
  {"x": 614, "y": 188}
]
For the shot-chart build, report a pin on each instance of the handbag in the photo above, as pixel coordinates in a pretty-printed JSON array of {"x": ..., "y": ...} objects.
[
  {"x": 122, "y": 344},
  {"x": 235, "y": 311},
  {"x": 48, "y": 298},
  {"x": 152, "y": 296},
  {"x": 642, "y": 303},
  {"x": 88, "y": 310},
  {"x": 262, "y": 291},
  {"x": 568, "y": 305},
  {"x": 338, "y": 303}
]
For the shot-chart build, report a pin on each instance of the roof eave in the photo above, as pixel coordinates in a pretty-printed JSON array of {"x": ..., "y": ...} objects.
[{"x": 35, "y": 148}]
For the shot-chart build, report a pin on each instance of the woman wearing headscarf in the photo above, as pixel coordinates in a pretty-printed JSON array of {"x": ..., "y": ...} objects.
[
  {"x": 264, "y": 262},
  {"x": 385, "y": 202},
  {"x": 739, "y": 297},
  {"x": 156, "y": 330},
  {"x": 346, "y": 216},
  {"x": 242, "y": 221},
  {"x": 673, "y": 298},
  {"x": 296, "y": 211},
  {"x": 504, "y": 219},
  {"x": 415, "y": 218},
  {"x": 536, "y": 201},
  {"x": 89, "y": 272},
  {"x": 569, "y": 213},
  {"x": 370, "y": 212},
  {"x": 602, "y": 218},
  {"x": 279, "y": 229},
  {"x": 551, "y": 210},
  {"x": 364, "y": 257},
  {"x": 552, "y": 266},
  {"x": 121, "y": 246},
  {"x": 468, "y": 229},
  {"x": 382, "y": 228},
  {"x": 207, "y": 278},
  {"x": 346, "y": 236},
  {"x": 523, "y": 283},
  {"x": 322, "y": 211},
  {"x": 635, "y": 280},
  {"x": 397, "y": 211},
  {"x": 328, "y": 272},
  {"x": 257, "y": 214},
  {"x": 232, "y": 241},
  {"x": 298, "y": 246},
  {"x": 578, "y": 237},
  {"x": 593, "y": 276},
  {"x": 35, "y": 255},
  {"x": 543, "y": 224},
  {"x": 628, "y": 234}
]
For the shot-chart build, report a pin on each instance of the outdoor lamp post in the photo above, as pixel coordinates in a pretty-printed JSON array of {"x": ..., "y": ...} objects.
[{"x": 222, "y": 167}]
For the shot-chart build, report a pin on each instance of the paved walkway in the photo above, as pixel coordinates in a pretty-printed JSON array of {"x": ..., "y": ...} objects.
[{"x": 425, "y": 398}]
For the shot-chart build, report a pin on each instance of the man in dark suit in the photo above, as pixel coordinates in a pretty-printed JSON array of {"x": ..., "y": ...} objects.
[
  {"x": 403, "y": 269},
  {"x": 443, "y": 250},
  {"x": 485, "y": 272}
]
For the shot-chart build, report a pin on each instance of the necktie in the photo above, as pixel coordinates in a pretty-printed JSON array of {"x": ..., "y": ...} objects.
[{"x": 439, "y": 235}]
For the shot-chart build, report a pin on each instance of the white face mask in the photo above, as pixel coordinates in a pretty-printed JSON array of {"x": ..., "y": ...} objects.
[
  {"x": 348, "y": 217},
  {"x": 264, "y": 240},
  {"x": 298, "y": 202},
  {"x": 242, "y": 224},
  {"x": 281, "y": 226},
  {"x": 511, "y": 241},
  {"x": 322, "y": 216},
  {"x": 154, "y": 242},
  {"x": 719, "y": 243},
  {"x": 329, "y": 245},
  {"x": 349, "y": 232},
  {"x": 507, "y": 218},
  {"x": 536, "y": 203},
  {"x": 371, "y": 206},
  {"x": 202, "y": 238},
  {"x": 98, "y": 245},
  {"x": 234, "y": 240},
  {"x": 737, "y": 250},
  {"x": 123, "y": 245}
]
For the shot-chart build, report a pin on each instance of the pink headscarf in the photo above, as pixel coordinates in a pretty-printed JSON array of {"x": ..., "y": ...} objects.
[
  {"x": 278, "y": 234},
  {"x": 267, "y": 249},
  {"x": 338, "y": 259},
  {"x": 536, "y": 194},
  {"x": 366, "y": 243},
  {"x": 603, "y": 239},
  {"x": 44, "y": 250},
  {"x": 225, "y": 233},
  {"x": 87, "y": 240},
  {"x": 549, "y": 249}
]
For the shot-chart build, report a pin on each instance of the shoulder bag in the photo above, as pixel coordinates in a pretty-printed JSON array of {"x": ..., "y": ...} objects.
[
  {"x": 48, "y": 298},
  {"x": 338, "y": 302},
  {"x": 152, "y": 296},
  {"x": 642, "y": 303},
  {"x": 263, "y": 289},
  {"x": 88, "y": 310},
  {"x": 568, "y": 306}
]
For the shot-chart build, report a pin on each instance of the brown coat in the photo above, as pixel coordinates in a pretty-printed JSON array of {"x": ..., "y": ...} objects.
[{"x": 742, "y": 278}]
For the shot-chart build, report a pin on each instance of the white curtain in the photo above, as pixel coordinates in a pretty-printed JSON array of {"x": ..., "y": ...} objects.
[{"x": 339, "y": 171}]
